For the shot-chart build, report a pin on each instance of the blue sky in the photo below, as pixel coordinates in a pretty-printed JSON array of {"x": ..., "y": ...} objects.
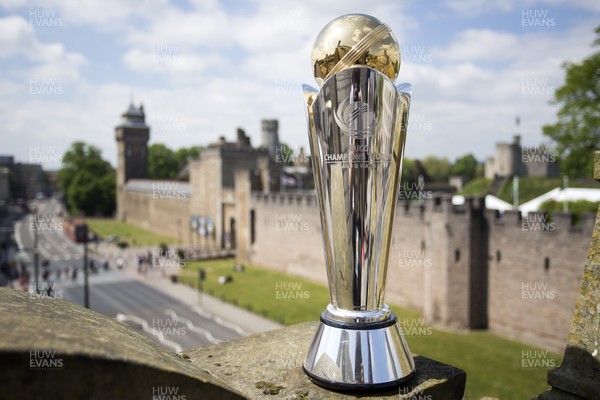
[{"x": 202, "y": 68}]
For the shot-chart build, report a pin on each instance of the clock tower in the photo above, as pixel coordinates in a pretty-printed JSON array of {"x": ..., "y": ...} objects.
[{"x": 132, "y": 136}]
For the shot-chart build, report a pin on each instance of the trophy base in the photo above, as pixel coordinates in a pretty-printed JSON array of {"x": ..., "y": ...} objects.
[{"x": 359, "y": 357}]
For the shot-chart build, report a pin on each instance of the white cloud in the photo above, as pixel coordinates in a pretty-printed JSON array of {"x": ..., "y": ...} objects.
[
  {"x": 219, "y": 70},
  {"x": 50, "y": 60}
]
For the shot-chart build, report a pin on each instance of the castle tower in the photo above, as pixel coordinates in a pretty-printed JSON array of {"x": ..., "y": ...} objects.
[
  {"x": 132, "y": 136},
  {"x": 270, "y": 135}
]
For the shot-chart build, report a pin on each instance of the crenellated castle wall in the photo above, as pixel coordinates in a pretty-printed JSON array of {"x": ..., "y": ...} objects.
[{"x": 462, "y": 266}]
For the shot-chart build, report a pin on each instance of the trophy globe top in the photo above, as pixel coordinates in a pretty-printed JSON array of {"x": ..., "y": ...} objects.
[{"x": 355, "y": 40}]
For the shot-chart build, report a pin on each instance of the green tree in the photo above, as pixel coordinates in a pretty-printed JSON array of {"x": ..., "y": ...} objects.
[
  {"x": 577, "y": 131},
  {"x": 87, "y": 181},
  {"x": 438, "y": 169},
  {"x": 185, "y": 154},
  {"x": 465, "y": 166},
  {"x": 410, "y": 172},
  {"x": 162, "y": 163}
]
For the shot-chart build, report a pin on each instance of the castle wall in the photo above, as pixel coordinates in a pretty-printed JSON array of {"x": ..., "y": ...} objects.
[
  {"x": 287, "y": 231},
  {"x": 535, "y": 270},
  {"x": 166, "y": 216}
]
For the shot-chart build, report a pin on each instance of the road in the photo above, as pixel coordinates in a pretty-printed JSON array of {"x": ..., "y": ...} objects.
[{"x": 115, "y": 293}]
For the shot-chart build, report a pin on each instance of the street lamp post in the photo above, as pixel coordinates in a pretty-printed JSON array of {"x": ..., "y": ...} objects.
[{"x": 36, "y": 252}]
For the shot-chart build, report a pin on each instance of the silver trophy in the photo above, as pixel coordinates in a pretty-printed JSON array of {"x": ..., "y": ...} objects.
[{"x": 357, "y": 129}]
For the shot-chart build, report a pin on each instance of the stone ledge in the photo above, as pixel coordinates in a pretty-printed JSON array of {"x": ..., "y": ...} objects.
[
  {"x": 271, "y": 363},
  {"x": 53, "y": 349}
]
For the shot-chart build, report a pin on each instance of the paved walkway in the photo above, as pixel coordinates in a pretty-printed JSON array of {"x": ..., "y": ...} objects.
[{"x": 239, "y": 319}]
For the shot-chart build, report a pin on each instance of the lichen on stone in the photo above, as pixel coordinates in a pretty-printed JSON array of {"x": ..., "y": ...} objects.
[{"x": 268, "y": 387}]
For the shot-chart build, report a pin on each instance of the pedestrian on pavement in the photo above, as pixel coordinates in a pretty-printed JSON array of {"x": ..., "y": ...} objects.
[
  {"x": 74, "y": 274},
  {"x": 120, "y": 263}
]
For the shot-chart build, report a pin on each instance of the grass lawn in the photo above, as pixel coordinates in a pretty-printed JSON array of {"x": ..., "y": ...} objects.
[
  {"x": 134, "y": 236},
  {"x": 493, "y": 364}
]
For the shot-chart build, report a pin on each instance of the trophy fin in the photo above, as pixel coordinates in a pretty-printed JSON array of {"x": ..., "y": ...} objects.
[
  {"x": 405, "y": 88},
  {"x": 309, "y": 93}
]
